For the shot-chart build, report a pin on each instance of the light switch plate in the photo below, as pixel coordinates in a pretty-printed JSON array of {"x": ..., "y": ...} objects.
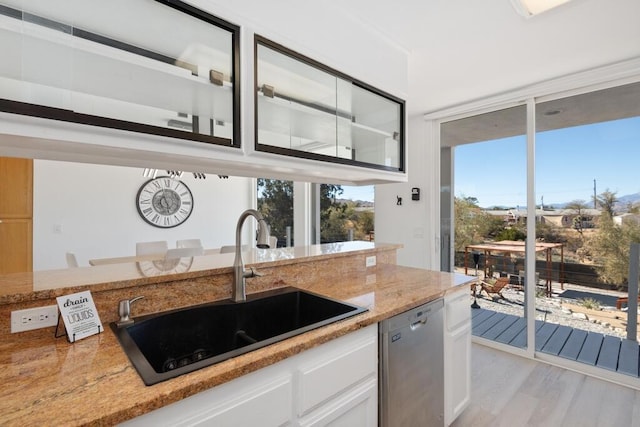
[{"x": 34, "y": 318}]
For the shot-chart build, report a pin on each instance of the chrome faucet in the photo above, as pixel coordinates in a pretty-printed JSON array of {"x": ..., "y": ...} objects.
[{"x": 239, "y": 273}]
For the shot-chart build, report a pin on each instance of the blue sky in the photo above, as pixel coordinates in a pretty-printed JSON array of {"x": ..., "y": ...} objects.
[
  {"x": 567, "y": 162},
  {"x": 365, "y": 193}
]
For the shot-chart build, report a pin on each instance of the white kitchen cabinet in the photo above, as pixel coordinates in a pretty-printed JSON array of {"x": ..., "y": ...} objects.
[
  {"x": 260, "y": 398},
  {"x": 334, "y": 384},
  {"x": 339, "y": 387},
  {"x": 457, "y": 354},
  {"x": 70, "y": 63},
  {"x": 306, "y": 109}
]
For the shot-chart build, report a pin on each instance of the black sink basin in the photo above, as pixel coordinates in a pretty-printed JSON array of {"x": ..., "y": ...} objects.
[{"x": 172, "y": 343}]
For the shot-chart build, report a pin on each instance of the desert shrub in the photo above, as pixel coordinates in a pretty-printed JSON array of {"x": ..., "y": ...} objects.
[
  {"x": 549, "y": 233},
  {"x": 511, "y": 234},
  {"x": 589, "y": 303}
]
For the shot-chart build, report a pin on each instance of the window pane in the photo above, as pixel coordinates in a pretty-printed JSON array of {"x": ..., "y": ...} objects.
[
  {"x": 275, "y": 203},
  {"x": 489, "y": 214},
  {"x": 346, "y": 213},
  {"x": 588, "y": 187}
]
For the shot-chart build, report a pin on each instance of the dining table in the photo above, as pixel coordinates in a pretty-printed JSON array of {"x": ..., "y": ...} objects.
[{"x": 139, "y": 258}]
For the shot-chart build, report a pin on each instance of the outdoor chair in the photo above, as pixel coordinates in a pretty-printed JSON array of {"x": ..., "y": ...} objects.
[
  {"x": 623, "y": 301},
  {"x": 494, "y": 286}
]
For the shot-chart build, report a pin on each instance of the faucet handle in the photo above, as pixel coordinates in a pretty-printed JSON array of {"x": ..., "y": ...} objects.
[{"x": 124, "y": 310}]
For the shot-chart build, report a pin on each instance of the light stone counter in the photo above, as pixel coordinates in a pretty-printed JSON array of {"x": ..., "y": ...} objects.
[{"x": 20, "y": 287}]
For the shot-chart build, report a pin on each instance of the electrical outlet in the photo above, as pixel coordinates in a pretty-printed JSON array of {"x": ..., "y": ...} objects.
[
  {"x": 370, "y": 261},
  {"x": 34, "y": 318}
]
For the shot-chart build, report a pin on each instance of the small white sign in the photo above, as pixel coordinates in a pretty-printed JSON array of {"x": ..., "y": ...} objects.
[{"x": 79, "y": 314}]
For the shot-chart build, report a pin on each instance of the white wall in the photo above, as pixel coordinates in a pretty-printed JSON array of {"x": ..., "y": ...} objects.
[
  {"x": 94, "y": 209},
  {"x": 415, "y": 224},
  {"x": 322, "y": 31}
]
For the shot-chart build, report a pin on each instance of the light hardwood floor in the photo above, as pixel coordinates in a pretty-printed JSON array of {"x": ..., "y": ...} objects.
[{"x": 508, "y": 390}]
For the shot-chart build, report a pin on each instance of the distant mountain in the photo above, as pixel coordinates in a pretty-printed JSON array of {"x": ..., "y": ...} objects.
[
  {"x": 621, "y": 206},
  {"x": 361, "y": 203},
  {"x": 624, "y": 201}
]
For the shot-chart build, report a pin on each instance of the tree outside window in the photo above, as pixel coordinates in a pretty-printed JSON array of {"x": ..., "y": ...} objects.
[{"x": 340, "y": 219}]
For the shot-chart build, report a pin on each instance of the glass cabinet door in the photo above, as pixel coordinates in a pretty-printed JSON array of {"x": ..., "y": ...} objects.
[
  {"x": 297, "y": 104},
  {"x": 108, "y": 64},
  {"x": 308, "y": 110}
]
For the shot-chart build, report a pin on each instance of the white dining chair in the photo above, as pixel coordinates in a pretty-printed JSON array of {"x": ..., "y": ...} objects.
[
  {"x": 151, "y": 248},
  {"x": 189, "y": 243},
  {"x": 72, "y": 261},
  {"x": 183, "y": 253}
]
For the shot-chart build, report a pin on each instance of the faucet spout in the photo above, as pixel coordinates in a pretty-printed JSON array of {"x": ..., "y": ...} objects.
[{"x": 239, "y": 274}]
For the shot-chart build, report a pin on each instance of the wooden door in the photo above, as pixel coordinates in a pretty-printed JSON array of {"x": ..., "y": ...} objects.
[{"x": 16, "y": 215}]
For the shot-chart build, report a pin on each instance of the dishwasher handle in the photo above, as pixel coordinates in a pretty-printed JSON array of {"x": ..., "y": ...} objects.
[{"x": 416, "y": 325}]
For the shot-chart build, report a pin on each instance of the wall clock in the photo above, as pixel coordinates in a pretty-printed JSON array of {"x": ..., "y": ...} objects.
[{"x": 164, "y": 202}]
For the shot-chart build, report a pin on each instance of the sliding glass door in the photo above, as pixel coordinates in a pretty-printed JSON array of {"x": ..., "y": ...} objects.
[
  {"x": 485, "y": 173},
  {"x": 559, "y": 173},
  {"x": 588, "y": 185}
]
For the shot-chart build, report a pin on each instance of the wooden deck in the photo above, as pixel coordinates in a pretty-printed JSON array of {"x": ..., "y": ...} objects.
[{"x": 604, "y": 351}]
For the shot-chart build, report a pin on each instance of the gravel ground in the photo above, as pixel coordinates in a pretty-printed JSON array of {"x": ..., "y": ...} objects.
[{"x": 549, "y": 309}]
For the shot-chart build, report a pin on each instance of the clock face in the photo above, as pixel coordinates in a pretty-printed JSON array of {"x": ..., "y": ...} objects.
[{"x": 164, "y": 202}]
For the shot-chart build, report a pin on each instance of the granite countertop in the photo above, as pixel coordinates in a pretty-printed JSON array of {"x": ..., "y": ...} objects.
[
  {"x": 49, "y": 381},
  {"x": 21, "y": 287}
]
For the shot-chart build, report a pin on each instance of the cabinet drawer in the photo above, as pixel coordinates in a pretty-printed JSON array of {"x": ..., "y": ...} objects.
[
  {"x": 319, "y": 382},
  {"x": 257, "y": 399},
  {"x": 357, "y": 407},
  {"x": 457, "y": 311}
]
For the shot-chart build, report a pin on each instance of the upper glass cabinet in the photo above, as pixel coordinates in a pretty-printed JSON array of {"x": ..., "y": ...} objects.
[
  {"x": 151, "y": 66},
  {"x": 308, "y": 110}
]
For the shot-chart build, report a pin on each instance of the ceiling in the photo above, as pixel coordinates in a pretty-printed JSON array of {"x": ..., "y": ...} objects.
[
  {"x": 593, "y": 107},
  {"x": 463, "y": 50}
]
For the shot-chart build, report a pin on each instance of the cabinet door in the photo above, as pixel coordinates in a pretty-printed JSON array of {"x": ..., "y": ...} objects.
[
  {"x": 253, "y": 400},
  {"x": 336, "y": 370},
  {"x": 457, "y": 374},
  {"x": 457, "y": 310},
  {"x": 306, "y": 109},
  {"x": 358, "y": 408},
  {"x": 70, "y": 62},
  {"x": 457, "y": 348}
]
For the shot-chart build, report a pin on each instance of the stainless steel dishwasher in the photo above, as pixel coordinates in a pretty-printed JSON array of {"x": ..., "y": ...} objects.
[{"x": 412, "y": 368}]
